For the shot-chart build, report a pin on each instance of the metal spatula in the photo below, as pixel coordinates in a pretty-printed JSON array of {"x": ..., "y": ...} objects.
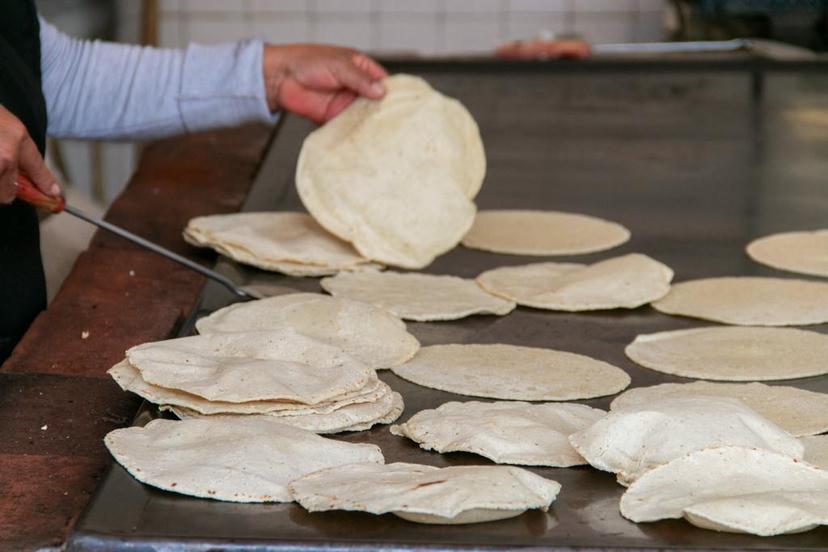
[{"x": 27, "y": 192}]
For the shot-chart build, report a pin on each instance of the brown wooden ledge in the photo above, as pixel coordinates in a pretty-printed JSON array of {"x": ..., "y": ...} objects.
[{"x": 56, "y": 401}]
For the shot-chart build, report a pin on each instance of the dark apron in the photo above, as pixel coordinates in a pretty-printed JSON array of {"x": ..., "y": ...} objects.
[{"x": 22, "y": 284}]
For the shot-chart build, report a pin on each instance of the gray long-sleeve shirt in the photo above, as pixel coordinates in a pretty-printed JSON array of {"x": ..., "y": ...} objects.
[{"x": 100, "y": 90}]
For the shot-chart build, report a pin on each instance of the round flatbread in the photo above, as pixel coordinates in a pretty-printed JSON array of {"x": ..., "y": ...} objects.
[
  {"x": 370, "y": 334},
  {"x": 802, "y": 252},
  {"x": 426, "y": 494},
  {"x": 631, "y": 440},
  {"x": 734, "y": 489},
  {"x": 749, "y": 301},
  {"x": 543, "y": 233},
  {"x": 129, "y": 379},
  {"x": 621, "y": 282},
  {"x": 816, "y": 450},
  {"x": 797, "y": 411},
  {"x": 420, "y": 297},
  {"x": 246, "y": 459},
  {"x": 733, "y": 353},
  {"x": 284, "y": 241},
  {"x": 362, "y": 415},
  {"x": 512, "y": 373},
  {"x": 253, "y": 366},
  {"x": 504, "y": 432},
  {"x": 374, "y": 174}
]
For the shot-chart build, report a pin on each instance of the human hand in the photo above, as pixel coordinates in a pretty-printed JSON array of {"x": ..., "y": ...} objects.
[
  {"x": 541, "y": 49},
  {"x": 318, "y": 81},
  {"x": 18, "y": 152}
]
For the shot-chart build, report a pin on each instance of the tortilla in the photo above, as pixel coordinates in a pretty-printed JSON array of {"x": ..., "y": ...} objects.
[
  {"x": 274, "y": 241},
  {"x": 621, "y": 282},
  {"x": 420, "y": 297},
  {"x": 252, "y": 366},
  {"x": 129, "y": 379},
  {"x": 425, "y": 494},
  {"x": 370, "y": 334},
  {"x": 802, "y": 252},
  {"x": 797, "y": 411},
  {"x": 504, "y": 432},
  {"x": 749, "y": 301},
  {"x": 395, "y": 177},
  {"x": 733, "y": 353},
  {"x": 246, "y": 459},
  {"x": 733, "y": 489},
  {"x": 816, "y": 450},
  {"x": 543, "y": 233},
  {"x": 512, "y": 373},
  {"x": 631, "y": 440},
  {"x": 397, "y": 408},
  {"x": 361, "y": 415}
]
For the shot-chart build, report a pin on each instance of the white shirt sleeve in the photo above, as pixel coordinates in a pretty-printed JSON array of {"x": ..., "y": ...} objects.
[{"x": 100, "y": 90}]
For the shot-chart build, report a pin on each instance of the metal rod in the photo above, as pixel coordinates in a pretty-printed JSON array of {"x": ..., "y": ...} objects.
[
  {"x": 671, "y": 47},
  {"x": 212, "y": 274}
]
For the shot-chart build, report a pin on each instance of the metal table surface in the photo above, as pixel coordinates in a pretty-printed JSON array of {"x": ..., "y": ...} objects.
[{"x": 690, "y": 163}]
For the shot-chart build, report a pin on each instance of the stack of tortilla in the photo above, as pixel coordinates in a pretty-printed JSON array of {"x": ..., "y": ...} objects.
[
  {"x": 368, "y": 333},
  {"x": 290, "y": 243},
  {"x": 395, "y": 177},
  {"x": 302, "y": 381}
]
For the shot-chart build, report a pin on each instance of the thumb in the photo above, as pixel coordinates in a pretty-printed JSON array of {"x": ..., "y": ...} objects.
[
  {"x": 31, "y": 163},
  {"x": 358, "y": 80}
]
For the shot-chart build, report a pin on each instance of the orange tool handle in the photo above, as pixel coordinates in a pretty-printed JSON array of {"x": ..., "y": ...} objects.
[{"x": 33, "y": 196}]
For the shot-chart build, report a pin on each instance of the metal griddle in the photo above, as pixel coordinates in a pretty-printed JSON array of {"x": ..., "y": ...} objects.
[{"x": 693, "y": 164}]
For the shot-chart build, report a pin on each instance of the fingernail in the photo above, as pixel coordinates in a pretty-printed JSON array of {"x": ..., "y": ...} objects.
[
  {"x": 54, "y": 190},
  {"x": 378, "y": 88}
]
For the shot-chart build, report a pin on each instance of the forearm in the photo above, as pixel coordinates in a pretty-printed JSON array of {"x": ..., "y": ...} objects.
[{"x": 99, "y": 90}]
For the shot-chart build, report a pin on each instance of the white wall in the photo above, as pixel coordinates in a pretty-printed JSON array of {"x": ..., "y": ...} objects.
[{"x": 421, "y": 26}]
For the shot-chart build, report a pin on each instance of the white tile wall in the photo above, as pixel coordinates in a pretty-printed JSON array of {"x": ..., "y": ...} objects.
[
  {"x": 205, "y": 29},
  {"x": 410, "y": 6},
  {"x": 650, "y": 5},
  {"x": 411, "y": 33},
  {"x": 650, "y": 26},
  {"x": 474, "y": 6},
  {"x": 283, "y": 28},
  {"x": 604, "y": 6},
  {"x": 343, "y": 29},
  {"x": 277, "y": 6},
  {"x": 601, "y": 27},
  {"x": 522, "y": 25},
  {"x": 220, "y": 6},
  {"x": 472, "y": 32},
  {"x": 340, "y": 6},
  {"x": 540, "y": 6},
  {"x": 418, "y": 26}
]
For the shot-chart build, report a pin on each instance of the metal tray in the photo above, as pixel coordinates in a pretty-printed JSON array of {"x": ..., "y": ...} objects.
[{"x": 691, "y": 164}]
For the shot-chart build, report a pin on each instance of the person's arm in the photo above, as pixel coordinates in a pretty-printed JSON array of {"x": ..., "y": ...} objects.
[{"x": 100, "y": 90}]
